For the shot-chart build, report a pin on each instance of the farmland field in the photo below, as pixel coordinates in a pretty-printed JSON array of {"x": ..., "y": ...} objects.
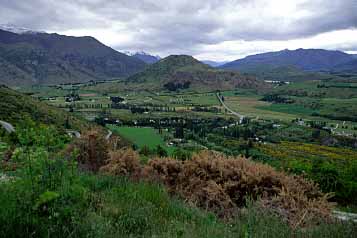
[
  {"x": 141, "y": 136},
  {"x": 252, "y": 107},
  {"x": 310, "y": 103}
]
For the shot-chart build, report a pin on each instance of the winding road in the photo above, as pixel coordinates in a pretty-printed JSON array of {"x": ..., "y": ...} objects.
[
  {"x": 7, "y": 126},
  {"x": 77, "y": 134},
  {"x": 228, "y": 109},
  {"x": 110, "y": 133}
]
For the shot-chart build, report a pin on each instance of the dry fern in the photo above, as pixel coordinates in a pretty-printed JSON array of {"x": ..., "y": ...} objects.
[
  {"x": 122, "y": 162},
  {"x": 223, "y": 184}
]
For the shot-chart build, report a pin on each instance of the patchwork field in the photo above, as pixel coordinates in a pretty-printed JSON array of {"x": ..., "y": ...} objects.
[
  {"x": 311, "y": 103},
  {"x": 252, "y": 107}
]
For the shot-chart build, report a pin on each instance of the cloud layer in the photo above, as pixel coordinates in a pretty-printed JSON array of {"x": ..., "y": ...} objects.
[{"x": 209, "y": 29}]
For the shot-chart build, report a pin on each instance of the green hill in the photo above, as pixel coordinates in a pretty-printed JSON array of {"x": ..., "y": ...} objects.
[
  {"x": 183, "y": 72},
  {"x": 15, "y": 107}
]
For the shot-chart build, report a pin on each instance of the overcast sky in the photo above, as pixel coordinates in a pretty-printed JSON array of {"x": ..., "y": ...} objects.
[{"x": 207, "y": 29}]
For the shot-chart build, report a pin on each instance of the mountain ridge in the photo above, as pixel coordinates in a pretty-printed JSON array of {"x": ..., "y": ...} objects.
[
  {"x": 52, "y": 59},
  {"x": 294, "y": 65},
  {"x": 304, "y": 59}
]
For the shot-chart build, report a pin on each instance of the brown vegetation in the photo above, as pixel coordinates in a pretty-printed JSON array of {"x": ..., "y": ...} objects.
[
  {"x": 123, "y": 162},
  {"x": 223, "y": 185},
  {"x": 215, "y": 182},
  {"x": 93, "y": 150}
]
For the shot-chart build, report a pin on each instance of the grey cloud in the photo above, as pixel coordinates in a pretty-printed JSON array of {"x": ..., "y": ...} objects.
[
  {"x": 45, "y": 14},
  {"x": 182, "y": 26}
]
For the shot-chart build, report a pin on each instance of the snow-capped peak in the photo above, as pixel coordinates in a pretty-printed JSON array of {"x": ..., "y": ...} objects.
[
  {"x": 18, "y": 30},
  {"x": 143, "y": 53}
]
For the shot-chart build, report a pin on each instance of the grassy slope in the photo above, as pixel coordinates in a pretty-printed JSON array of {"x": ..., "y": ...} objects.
[
  {"x": 115, "y": 207},
  {"x": 15, "y": 107},
  {"x": 57, "y": 200}
]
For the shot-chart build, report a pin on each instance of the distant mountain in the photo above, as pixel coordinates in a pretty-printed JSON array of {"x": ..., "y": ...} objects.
[
  {"x": 177, "y": 72},
  {"x": 214, "y": 63},
  {"x": 293, "y": 65},
  {"x": 41, "y": 58},
  {"x": 303, "y": 59},
  {"x": 147, "y": 58}
]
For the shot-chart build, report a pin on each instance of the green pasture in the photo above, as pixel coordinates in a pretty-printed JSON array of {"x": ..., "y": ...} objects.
[{"x": 142, "y": 136}]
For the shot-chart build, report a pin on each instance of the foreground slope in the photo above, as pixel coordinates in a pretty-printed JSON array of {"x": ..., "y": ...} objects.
[
  {"x": 41, "y": 58},
  {"x": 183, "y": 72},
  {"x": 47, "y": 191},
  {"x": 16, "y": 107}
]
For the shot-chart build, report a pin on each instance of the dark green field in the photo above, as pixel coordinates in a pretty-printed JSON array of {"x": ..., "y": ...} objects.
[{"x": 141, "y": 136}]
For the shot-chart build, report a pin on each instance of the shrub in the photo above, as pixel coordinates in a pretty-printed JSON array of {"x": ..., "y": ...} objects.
[
  {"x": 93, "y": 150},
  {"x": 160, "y": 151},
  {"x": 223, "y": 184},
  {"x": 145, "y": 150},
  {"x": 122, "y": 162},
  {"x": 181, "y": 154}
]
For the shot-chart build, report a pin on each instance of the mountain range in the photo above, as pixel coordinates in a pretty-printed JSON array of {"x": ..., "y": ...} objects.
[
  {"x": 304, "y": 59},
  {"x": 41, "y": 58},
  {"x": 294, "y": 65},
  {"x": 28, "y": 57}
]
